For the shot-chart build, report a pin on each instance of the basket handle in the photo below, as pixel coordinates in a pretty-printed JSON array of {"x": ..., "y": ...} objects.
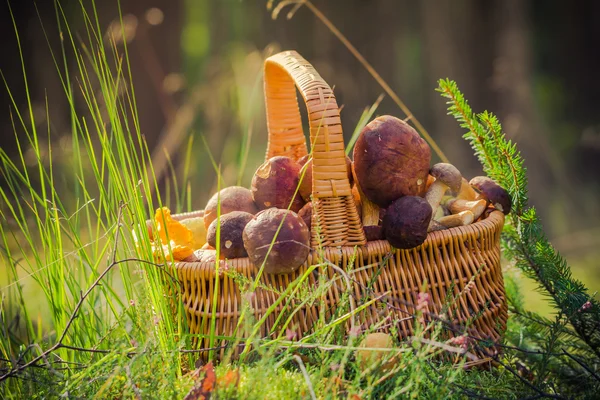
[{"x": 334, "y": 209}]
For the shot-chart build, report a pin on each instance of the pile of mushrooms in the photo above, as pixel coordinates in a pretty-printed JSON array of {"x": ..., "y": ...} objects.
[
  {"x": 393, "y": 179},
  {"x": 398, "y": 197}
]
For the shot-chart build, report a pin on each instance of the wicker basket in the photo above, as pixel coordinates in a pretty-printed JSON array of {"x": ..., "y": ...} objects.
[{"x": 445, "y": 263}]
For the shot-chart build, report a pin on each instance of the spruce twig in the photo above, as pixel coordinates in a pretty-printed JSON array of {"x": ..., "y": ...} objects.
[{"x": 523, "y": 236}]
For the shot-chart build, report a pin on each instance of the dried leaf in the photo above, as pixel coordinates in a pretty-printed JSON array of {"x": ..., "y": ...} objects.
[{"x": 204, "y": 386}]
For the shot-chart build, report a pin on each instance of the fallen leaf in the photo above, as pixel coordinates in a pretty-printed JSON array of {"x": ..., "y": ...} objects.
[{"x": 205, "y": 383}]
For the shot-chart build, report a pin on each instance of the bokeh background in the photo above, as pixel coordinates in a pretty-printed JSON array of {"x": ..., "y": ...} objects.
[{"x": 196, "y": 67}]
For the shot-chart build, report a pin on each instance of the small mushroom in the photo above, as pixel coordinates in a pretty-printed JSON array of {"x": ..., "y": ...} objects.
[
  {"x": 477, "y": 207},
  {"x": 306, "y": 214},
  {"x": 231, "y": 244},
  {"x": 451, "y": 221},
  {"x": 435, "y": 226},
  {"x": 406, "y": 221},
  {"x": 233, "y": 198},
  {"x": 446, "y": 177},
  {"x": 289, "y": 249},
  {"x": 275, "y": 184},
  {"x": 366, "y": 357},
  {"x": 495, "y": 194},
  {"x": 373, "y": 232}
]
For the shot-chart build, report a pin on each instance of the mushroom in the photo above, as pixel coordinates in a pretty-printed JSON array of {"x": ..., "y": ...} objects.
[
  {"x": 391, "y": 160},
  {"x": 451, "y": 221},
  {"x": 495, "y": 194},
  {"x": 275, "y": 183},
  {"x": 406, "y": 221},
  {"x": 306, "y": 214},
  {"x": 277, "y": 239},
  {"x": 477, "y": 207},
  {"x": 231, "y": 244},
  {"x": 233, "y": 198},
  {"x": 305, "y": 175},
  {"x": 366, "y": 357},
  {"x": 446, "y": 177}
]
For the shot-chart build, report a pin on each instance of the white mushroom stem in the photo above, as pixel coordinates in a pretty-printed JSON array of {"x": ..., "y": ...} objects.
[
  {"x": 477, "y": 207},
  {"x": 435, "y": 226},
  {"x": 434, "y": 195},
  {"x": 461, "y": 219}
]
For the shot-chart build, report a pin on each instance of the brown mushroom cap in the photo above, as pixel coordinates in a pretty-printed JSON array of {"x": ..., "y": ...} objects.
[
  {"x": 290, "y": 248},
  {"x": 448, "y": 174},
  {"x": 406, "y": 221},
  {"x": 493, "y": 193},
  {"x": 274, "y": 184},
  {"x": 232, "y": 227},
  {"x": 377, "y": 340},
  {"x": 305, "y": 175},
  {"x": 373, "y": 232},
  {"x": 391, "y": 160},
  {"x": 233, "y": 198},
  {"x": 306, "y": 214}
]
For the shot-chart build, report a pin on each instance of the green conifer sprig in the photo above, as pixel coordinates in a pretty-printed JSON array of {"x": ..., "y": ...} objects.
[{"x": 524, "y": 240}]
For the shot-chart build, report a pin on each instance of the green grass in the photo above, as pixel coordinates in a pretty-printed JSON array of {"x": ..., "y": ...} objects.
[{"x": 71, "y": 217}]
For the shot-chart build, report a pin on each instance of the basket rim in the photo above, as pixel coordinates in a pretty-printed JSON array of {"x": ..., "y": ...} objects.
[{"x": 494, "y": 222}]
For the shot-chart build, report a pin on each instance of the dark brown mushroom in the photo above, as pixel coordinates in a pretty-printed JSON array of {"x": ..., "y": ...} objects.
[
  {"x": 275, "y": 183},
  {"x": 405, "y": 222},
  {"x": 495, "y": 194},
  {"x": 232, "y": 227},
  {"x": 391, "y": 160},
  {"x": 281, "y": 254},
  {"x": 306, "y": 214},
  {"x": 234, "y": 198}
]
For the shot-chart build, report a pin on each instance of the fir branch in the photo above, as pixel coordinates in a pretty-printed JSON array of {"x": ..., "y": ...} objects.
[{"x": 523, "y": 236}]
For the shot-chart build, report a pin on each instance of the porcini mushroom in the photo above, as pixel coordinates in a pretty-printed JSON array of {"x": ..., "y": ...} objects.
[
  {"x": 289, "y": 248},
  {"x": 477, "y": 207},
  {"x": 306, "y": 214},
  {"x": 406, "y": 221},
  {"x": 366, "y": 357},
  {"x": 233, "y": 198},
  {"x": 495, "y": 194},
  {"x": 231, "y": 244},
  {"x": 446, "y": 177},
  {"x": 451, "y": 221},
  {"x": 275, "y": 183},
  {"x": 391, "y": 160}
]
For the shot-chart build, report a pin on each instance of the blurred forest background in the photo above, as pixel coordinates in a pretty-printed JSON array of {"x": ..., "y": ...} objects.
[{"x": 196, "y": 67}]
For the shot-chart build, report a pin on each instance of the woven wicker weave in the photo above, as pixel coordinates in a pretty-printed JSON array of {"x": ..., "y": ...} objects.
[{"x": 444, "y": 264}]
